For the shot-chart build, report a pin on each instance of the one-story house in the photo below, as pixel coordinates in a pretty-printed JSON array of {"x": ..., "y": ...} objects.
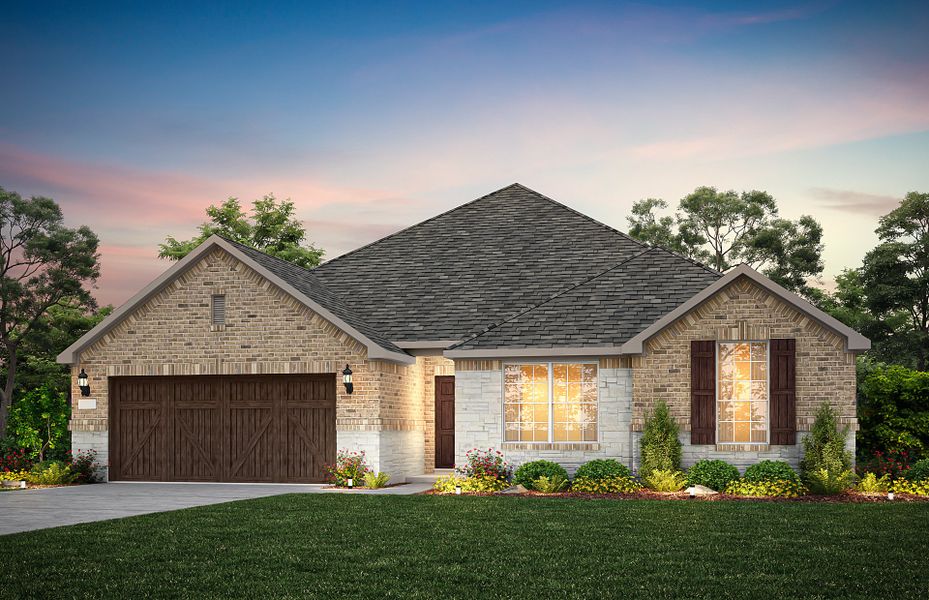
[{"x": 511, "y": 322}]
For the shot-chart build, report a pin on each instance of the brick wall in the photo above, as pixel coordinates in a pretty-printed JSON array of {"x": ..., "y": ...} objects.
[
  {"x": 266, "y": 332},
  {"x": 745, "y": 311}
]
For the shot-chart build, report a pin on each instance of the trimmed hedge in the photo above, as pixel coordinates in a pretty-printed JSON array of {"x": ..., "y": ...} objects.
[
  {"x": 528, "y": 472},
  {"x": 602, "y": 468},
  {"x": 769, "y": 471},
  {"x": 714, "y": 474}
]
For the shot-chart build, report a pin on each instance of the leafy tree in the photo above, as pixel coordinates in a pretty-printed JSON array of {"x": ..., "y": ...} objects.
[
  {"x": 39, "y": 422},
  {"x": 272, "y": 228},
  {"x": 893, "y": 411},
  {"x": 896, "y": 273},
  {"x": 55, "y": 331},
  {"x": 726, "y": 228},
  {"x": 42, "y": 264}
]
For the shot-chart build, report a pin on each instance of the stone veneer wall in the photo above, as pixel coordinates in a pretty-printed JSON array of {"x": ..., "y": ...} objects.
[
  {"x": 745, "y": 311},
  {"x": 266, "y": 332},
  {"x": 479, "y": 416}
]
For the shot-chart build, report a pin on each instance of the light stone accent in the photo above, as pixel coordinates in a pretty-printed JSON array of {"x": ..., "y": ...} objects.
[
  {"x": 93, "y": 440},
  {"x": 479, "y": 420},
  {"x": 398, "y": 453}
]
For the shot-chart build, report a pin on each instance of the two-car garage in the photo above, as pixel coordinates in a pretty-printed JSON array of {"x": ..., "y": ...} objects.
[{"x": 224, "y": 428}]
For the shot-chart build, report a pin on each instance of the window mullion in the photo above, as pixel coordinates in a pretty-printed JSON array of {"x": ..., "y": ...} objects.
[{"x": 551, "y": 403}]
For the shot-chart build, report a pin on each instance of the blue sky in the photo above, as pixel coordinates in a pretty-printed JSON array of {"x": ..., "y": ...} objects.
[{"x": 373, "y": 116}]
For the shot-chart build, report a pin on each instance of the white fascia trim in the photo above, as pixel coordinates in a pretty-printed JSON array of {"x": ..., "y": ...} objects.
[
  {"x": 553, "y": 351},
  {"x": 72, "y": 353},
  {"x": 854, "y": 341}
]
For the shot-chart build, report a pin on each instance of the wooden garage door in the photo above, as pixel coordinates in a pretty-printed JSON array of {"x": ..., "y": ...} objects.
[{"x": 261, "y": 428}]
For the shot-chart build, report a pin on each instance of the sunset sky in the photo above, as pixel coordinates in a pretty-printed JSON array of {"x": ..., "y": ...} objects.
[{"x": 373, "y": 117}]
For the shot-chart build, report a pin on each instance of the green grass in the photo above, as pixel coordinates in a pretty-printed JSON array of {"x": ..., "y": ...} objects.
[{"x": 329, "y": 545}]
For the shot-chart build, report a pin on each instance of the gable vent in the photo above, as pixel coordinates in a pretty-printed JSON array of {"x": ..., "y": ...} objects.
[{"x": 219, "y": 309}]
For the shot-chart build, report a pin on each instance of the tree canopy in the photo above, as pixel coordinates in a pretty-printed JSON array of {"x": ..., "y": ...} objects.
[
  {"x": 271, "y": 228},
  {"x": 725, "y": 228},
  {"x": 42, "y": 264}
]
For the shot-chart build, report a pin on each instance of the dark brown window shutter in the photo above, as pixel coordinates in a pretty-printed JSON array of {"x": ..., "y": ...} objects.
[
  {"x": 703, "y": 392},
  {"x": 783, "y": 376}
]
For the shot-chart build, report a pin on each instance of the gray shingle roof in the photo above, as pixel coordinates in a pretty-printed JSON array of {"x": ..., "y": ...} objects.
[
  {"x": 606, "y": 310},
  {"x": 479, "y": 264},
  {"x": 307, "y": 283}
]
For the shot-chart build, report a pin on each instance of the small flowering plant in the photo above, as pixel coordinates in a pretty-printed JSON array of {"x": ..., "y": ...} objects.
[
  {"x": 348, "y": 465},
  {"x": 894, "y": 463},
  {"x": 485, "y": 463},
  {"x": 16, "y": 460}
]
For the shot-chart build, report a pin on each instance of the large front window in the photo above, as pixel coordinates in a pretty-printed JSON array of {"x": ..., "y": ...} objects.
[
  {"x": 550, "y": 402},
  {"x": 742, "y": 393}
]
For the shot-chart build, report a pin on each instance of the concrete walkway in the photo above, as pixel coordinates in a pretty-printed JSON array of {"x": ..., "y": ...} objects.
[{"x": 26, "y": 510}]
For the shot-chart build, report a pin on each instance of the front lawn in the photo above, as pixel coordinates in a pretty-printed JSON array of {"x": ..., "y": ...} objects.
[{"x": 328, "y": 545}]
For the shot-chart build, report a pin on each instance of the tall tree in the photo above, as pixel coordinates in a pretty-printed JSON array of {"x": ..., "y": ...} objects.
[
  {"x": 42, "y": 264},
  {"x": 896, "y": 272},
  {"x": 726, "y": 228},
  {"x": 272, "y": 228}
]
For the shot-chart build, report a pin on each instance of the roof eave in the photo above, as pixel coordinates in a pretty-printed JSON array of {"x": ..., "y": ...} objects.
[
  {"x": 854, "y": 341},
  {"x": 535, "y": 352},
  {"x": 375, "y": 351}
]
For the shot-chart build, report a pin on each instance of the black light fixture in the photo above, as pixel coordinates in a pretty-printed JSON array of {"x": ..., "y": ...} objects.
[
  {"x": 83, "y": 383},
  {"x": 347, "y": 380}
]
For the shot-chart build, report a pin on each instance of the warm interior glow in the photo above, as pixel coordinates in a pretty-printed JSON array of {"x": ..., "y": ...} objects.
[
  {"x": 550, "y": 402},
  {"x": 742, "y": 392}
]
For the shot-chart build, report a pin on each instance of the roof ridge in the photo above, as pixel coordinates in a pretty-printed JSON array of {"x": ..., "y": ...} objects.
[
  {"x": 579, "y": 213},
  {"x": 319, "y": 282},
  {"x": 688, "y": 259},
  {"x": 414, "y": 225},
  {"x": 550, "y": 298}
]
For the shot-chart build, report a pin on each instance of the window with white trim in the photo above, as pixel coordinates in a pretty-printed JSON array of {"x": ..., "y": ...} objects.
[
  {"x": 742, "y": 393},
  {"x": 550, "y": 402}
]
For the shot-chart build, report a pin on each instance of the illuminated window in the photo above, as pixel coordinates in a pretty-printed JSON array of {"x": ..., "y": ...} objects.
[
  {"x": 550, "y": 402},
  {"x": 742, "y": 393}
]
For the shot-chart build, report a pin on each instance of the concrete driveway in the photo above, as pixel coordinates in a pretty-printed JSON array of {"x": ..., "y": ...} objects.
[{"x": 25, "y": 510}]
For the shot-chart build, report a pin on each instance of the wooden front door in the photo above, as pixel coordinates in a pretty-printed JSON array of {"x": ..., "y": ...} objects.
[
  {"x": 445, "y": 422},
  {"x": 254, "y": 428}
]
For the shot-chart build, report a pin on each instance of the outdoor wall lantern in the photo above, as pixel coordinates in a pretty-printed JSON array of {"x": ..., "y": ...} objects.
[
  {"x": 83, "y": 383},
  {"x": 347, "y": 380}
]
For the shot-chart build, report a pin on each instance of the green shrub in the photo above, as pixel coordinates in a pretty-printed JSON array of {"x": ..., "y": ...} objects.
[
  {"x": 770, "y": 470},
  {"x": 664, "y": 480},
  {"x": 660, "y": 447},
  {"x": 918, "y": 472},
  {"x": 916, "y": 488},
  {"x": 550, "y": 485},
  {"x": 610, "y": 485},
  {"x": 475, "y": 483},
  {"x": 784, "y": 488},
  {"x": 602, "y": 468},
  {"x": 826, "y": 464},
  {"x": 872, "y": 484},
  {"x": 51, "y": 473},
  {"x": 376, "y": 480},
  {"x": 893, "y": 411},
  {"x": 84, "y": 465},
  {"x": 714, "y": 474},
  {"x": 529, "y": 472}
]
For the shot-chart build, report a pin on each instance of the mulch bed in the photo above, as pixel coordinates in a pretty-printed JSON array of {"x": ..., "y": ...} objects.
[{"x": 846, "y": 498}]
